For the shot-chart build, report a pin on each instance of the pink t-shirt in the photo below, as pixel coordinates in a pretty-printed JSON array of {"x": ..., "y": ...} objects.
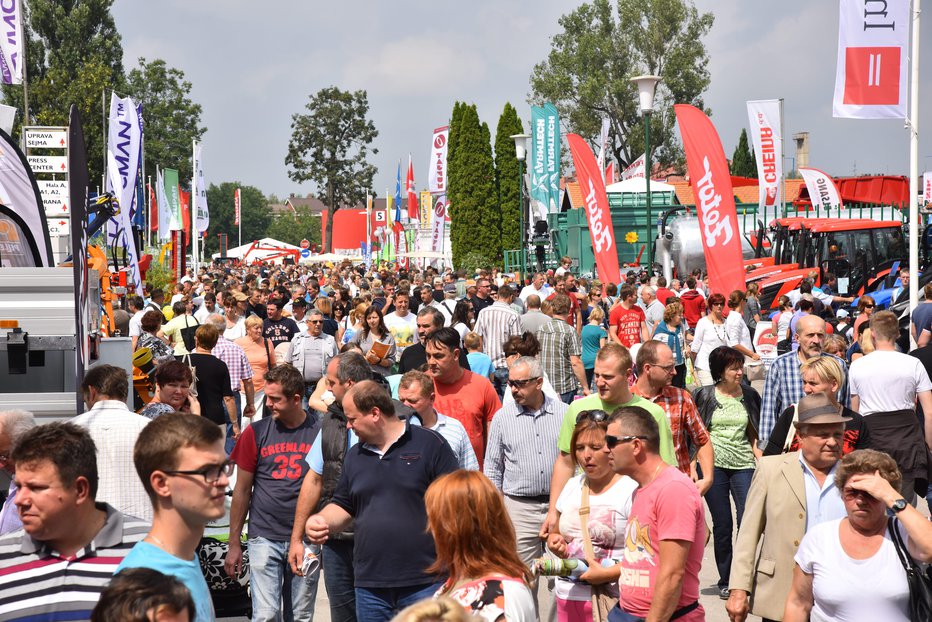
[
  {"x": 628, "y": 324},
  {"x": 668, "y": 508}
]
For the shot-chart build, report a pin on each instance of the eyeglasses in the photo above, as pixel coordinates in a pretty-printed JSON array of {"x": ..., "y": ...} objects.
[
  {"x": 667, "y": 368},
  {"x": 868, "y": 306},
  {"x": 851, "y": 493},
  {"x": 592, "y": 415},
  {"x": 520, "y": 384},
  {"x": 211, "y": 473},
  {"x": 612, "y": 441},
  {"x": 717, "y": 304}
]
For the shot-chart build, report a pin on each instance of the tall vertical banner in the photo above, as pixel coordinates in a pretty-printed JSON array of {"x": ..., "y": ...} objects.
[
  {"x": 767, "y": 136},
  {"x": 715, "y": 199},
  {"x": 202, "y": 216},
  {"x": 426, "y": 208},
  {"x": 545, "y": 160},
  {"x": 153, "y": 209},
  {"x": 124, "y": 143},
  {"x": 173, "y": 199},
  {"x": 553, "y": 159},
  {"x": 870, "y": 78},
  {"x": 603, "y": 146},
  {"x": 237, "y": 206},
  {"x": 610, "y": 176},
  {"x": 589, "y": 175},
  {"x": 822, "y": 189},
  {"x": 11, "y": 42},
  {"x": 437, "y": 177},
  {"x": 927, "y": 188},
  {"x": 165, "y": 208},
  {"x": 412, "y": 192},
  {"x": 439, "y": 222}
]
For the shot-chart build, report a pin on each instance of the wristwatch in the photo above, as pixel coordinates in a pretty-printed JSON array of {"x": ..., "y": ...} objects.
[{"x": 899, "y": 505}]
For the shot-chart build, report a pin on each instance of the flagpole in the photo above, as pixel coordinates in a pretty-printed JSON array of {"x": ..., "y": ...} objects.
[
  {"x": 782, "y": 167},
  {"x": 25, "y": 88},
  {"x": 240, "y": 216},
  {"x": 914, "y": 162},
  {"x": 103, "y": 126},
  {"x": 192, "y": 208}
]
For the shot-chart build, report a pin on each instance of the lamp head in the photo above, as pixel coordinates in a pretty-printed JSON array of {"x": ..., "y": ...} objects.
[
  {"x": 646, "y": 86},
  {"x": 520, "y": 145}
]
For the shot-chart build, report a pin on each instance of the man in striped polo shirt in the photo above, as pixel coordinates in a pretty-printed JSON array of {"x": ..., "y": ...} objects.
[
  {"x": 71, "y": 545},
  {"x": 495, "y": 324}
]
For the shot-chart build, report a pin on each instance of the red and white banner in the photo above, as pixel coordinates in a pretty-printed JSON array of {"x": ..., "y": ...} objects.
[
  {"x": 412, "y": 192},
  {"x": 610, "y": 176},
  {"x": 715, "y": 199},
  {"x": 236, "y": 206},
  {"x": 635, "y": 169},
  {"x": 592, "y": 186},
  {"x": 767, "y": 136},
  {"x": 927, "y": 187},
  {"x": 437, "y": 176},
  {"x": 871, "y": 78},
  {"x": 439, "y": 222},
  {"x": 822, "y": 189}
]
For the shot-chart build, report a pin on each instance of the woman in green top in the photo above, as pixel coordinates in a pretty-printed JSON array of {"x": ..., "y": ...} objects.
[{"x": 730, "y": 411}]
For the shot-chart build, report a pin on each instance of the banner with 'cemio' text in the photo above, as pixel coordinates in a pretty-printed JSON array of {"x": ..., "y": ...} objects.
[
  {"x": 715, "y": 199},
  {"x": 590, "y": 180}
]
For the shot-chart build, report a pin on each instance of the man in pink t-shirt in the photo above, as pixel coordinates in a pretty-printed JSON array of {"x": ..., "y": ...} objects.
[
  {"x": 626, "y": 320},
  {"x": 665, "y": 534}
]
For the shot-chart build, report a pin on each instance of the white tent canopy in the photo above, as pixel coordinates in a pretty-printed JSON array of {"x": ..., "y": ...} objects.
[
  {"x": 259, "y": 255},
  {"x": 639, "y": 184}
]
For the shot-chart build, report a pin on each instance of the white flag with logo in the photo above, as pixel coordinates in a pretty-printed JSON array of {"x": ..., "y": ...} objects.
[
  {"x": 439, "y": 223},
  {"x": 767, "y": 136},
  {"x": 11, "y": 42},
  {"x": 603, "y": 146},
  {"x": 927, "y": 188},
  {"x": 123, "y": 143},
  {"x": 871, "y": 77},
  {"x": 822, "y": 189},
  {"x": 200, "y": 202},
  {"x": 635, "y": 169},
  {"x": 438, "y": 161},
  {"x": 165, "y": 215}
]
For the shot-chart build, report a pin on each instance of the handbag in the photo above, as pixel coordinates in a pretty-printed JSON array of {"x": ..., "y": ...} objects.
[
  {"x": 193, "y": 389},
  {"x": 754, "y": 371},
  {"x": 920, "y": 583},
  {"x": 602, "y": 600}
]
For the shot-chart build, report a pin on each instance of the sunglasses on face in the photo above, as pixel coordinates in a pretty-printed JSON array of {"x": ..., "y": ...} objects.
[
  {"x": 520, "y": 384},
  {"x": 868, "y": 306},
  {"x": 612, "y": 441}
]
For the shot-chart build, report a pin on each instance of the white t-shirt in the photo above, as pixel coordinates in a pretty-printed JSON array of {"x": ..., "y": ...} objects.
[
  {"x": 853, "y": 590},
  {"x": 885, "y": 381},
  {"x": 135, "y": 324},
  {"x": 236, "y": 331},
  {"x": 608, "y": 517},
  {"x": 738, "y": 332}
]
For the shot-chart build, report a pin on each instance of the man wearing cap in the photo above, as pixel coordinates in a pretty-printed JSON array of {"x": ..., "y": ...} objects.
[
  {"x": 299, "y": 314},
  {"x": 790, "y": 494}
]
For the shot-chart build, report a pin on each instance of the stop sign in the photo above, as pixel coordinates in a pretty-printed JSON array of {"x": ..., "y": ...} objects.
[{"x": 305, "y": 243}]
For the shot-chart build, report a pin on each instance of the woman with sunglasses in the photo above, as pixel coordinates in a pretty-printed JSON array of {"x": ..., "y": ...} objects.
[
  {"x": 598, "y": 536},
  {"x": 866, "y": 306},
  {"x": 711, "y": 333},
  {"x": 730, "y": 411}
]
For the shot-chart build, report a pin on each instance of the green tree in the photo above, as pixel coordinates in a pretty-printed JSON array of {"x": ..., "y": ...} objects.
[
  {"x": 73, "y": 54},
  {"x": 253, "y": 210},
  {"x": 475, "y": 220},
  {"x": 744, "y": 162},
  {"x": 587, "y": 73},
  {"x": 506, "y": 177},
  {"x": 172, "y": 120},
  {"x": 292, "y": 227},
  {"x": 329, "y": 146}
]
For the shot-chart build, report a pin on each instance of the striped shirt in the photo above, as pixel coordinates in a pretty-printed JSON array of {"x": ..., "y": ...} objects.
[
  {"x": 37, "y": 583},
  {"x": 495, "y": 324},
  {"x": 235, "y": 358},
  {"x": 455, "y": 435},
  {"x": 522, "y": 448},
  {"x": 558, "y": 342}
]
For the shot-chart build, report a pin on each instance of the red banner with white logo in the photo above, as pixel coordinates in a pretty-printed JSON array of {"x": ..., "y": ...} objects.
[
  {"x": 870, "y": 79},
  {"x": 592, "y": 186},
  {"x": 412, "y": 192},
  {"x": 715, "y": 199}
]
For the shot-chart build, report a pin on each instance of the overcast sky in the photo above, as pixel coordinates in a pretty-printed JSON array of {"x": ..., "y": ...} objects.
[{"x": 253, "y": 65}]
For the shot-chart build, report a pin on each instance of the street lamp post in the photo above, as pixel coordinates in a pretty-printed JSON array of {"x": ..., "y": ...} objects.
[
  {"x": 646, "y": 86},
  {"x": 521, "y": 155}
]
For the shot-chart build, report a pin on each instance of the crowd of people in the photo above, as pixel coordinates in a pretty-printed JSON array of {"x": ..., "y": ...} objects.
[{"x": 443, "y": 445}]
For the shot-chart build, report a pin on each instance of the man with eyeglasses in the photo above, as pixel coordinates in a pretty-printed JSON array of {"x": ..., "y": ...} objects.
[
  {"x": 70, "y": 545},
  {"x": 483, "y": 297},
  {"x": 665, "y": 534},
  {"x": 521, "y": 452},
  {"x": 271, "y": 469},
  {"x": 183, "y": 467}
]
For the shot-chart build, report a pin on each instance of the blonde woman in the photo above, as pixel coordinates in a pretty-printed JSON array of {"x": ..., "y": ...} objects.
[
  {"x": 672, "y": 331},
  {"x": 260, "y": 353}
]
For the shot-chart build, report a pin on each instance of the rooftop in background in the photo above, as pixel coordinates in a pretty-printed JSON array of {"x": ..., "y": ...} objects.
[{"x": 294, "y": 203}]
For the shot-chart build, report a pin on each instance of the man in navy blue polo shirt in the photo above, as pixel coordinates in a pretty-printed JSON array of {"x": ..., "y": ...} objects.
[{"x": 382, "y": 487}]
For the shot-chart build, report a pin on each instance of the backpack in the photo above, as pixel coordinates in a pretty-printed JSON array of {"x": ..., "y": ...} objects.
[{"x": 187, "y": 334}]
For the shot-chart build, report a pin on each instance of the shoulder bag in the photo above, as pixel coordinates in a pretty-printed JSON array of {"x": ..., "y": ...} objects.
[
  {"x": 193, "y": 389},
  {"x": 920, "y": 583},
  {"x": 602, "y": 600}
]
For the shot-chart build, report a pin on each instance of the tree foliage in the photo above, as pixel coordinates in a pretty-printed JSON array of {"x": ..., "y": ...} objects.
[
  {"x": 744, "y": 162},
  {"x": 475, "y": 220},
  {"x": 172, "y": 120},
  {"x": 329, "y": 146},
  {"x": 254, "y": 212},
  {"x": 292, "y": 227},
  {"x": 587, "y": 73},
  {"x": 506, "y": 177}
]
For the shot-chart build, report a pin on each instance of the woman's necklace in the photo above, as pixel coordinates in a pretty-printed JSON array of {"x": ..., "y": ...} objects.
[{"x": 721, "y": 335}]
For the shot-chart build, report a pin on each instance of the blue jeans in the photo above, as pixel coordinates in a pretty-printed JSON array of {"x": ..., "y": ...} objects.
[
  {"x": 381, "y": 604},
  {"x": 229, "y": 443},
  {"x": 501, "y": 379},
  {"x": 275, "y": 587},
  {"x": 568, "y": 397},
  {"x": 736, "y": 483},
  {"x": 338, "y": 579}
]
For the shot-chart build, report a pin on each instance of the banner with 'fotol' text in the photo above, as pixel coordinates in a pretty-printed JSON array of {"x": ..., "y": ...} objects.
[
  {"x": 822, "y": 189},
  {"x": 592, "y": 186},
  {"x": 715, "y": 199},
  {"x": 767, "y": 136}
]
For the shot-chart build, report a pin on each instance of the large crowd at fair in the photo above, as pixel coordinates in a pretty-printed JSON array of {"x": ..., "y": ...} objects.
[{"x": 432, "y": 444}]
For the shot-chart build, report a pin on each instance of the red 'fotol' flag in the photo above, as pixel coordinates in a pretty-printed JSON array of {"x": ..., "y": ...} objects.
[{"x": 715, "y": 200}]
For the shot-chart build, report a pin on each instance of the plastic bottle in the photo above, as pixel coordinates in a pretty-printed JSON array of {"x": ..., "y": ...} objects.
[{"x": 570, "y": 568}]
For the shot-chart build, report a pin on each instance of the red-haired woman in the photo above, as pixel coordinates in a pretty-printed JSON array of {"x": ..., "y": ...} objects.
[{"x": 475, "y": 543}]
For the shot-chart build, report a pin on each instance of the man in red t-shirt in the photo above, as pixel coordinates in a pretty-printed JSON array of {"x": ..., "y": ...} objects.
[
  {"x": 627, "y": 323},
  {"x": 566, "y": 284},
  {"x": 693, "y": 303},
  {"x": 663, "y": 293},
  {"x": 467, "y": 397}
]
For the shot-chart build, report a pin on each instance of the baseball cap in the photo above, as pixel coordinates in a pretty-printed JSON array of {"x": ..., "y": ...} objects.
[
  {"x": 818, "y": 408},
  {"x": 841, "y": 313},
  {"x": 299, "y": 302},
  {"x": 449, "y": 288},
  {"x": 239, "y": 296}
]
